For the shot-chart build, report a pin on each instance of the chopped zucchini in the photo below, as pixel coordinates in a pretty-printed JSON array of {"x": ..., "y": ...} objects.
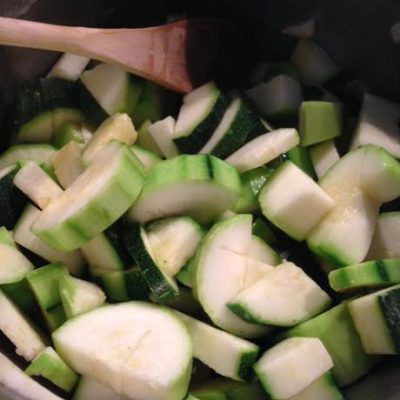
[
  {"x": 69, "y": 67},
  {"x": 98, "y": 197},
  {"x": 51, "y": 367},
  {"x": 299, "y": 210},
  {"x": 199, "y": 116},
  {"x": 323, "y": 156},
  {"x": 36, "y": 184},
  {"x": 117, "y": 127},
  {"x": 79, "y": 296},
  {"x": 187, "y": 185},
  {"x": 263, "y": 149},
  {"x": 162, "y": 133},
  {"x": 28, "y": 340},
  {"x": 319, "y": 121},
  {"x": 290, "y": 366},
  {"x": 127, "y": 335}
]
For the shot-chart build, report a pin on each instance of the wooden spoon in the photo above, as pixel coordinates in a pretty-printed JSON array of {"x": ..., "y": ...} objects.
[{"x": 179, "y": 56}]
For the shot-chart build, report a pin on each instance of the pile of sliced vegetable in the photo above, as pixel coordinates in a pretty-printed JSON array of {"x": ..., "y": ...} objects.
[{"x": 236, "y": 249}]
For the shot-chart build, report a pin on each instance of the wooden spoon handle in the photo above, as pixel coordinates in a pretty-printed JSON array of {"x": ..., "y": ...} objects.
[{"x": 21, "y": 33}]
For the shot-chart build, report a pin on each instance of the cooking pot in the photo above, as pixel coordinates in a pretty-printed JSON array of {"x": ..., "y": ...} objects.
[{"x": 356, "y": 33}]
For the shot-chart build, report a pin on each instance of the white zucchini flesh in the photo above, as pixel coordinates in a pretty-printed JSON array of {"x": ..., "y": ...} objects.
[
  {"x": 13, "y": 264},
  {"x": 279, "y": 96},
  {"x": 220, "y": 271},
  {"x": 226, "y": 354},
  {"x": 298, "y": 210},
  {"x": 90, "y": 389},
  {"x": 263, "y": 149},
  {"x": 285, "y": 296},
  {"x": 123, "y": 347},
  {"x": 378, "y": 125},
  {"x": 323, "y": 156},
  {"x": 162, "y": 133},
  {"x": 376, "y": 321},
  {"x": 36, "y": 184},
  {"x": 69, "y": 67},
  {"x": 386, "y": 240},
  {"x": 173, "y": 242},
  {"x": 314, "y": 64},
  {"x": 79, "y": 296},
  {"x": 67, "y": 163},
  {"x": 107, "y": 188},
  {"x": 22, "y": 234},
  {"x": 108, "y": 85},
  {"x": 19, "y": 383},
  {"x": 323, "y": 388},
  {"x": 260, "y": 251},
  {"x": 118, "y": 127},
  {"x": 289, "y": 367},
  {"x": 27, "y": 340}
]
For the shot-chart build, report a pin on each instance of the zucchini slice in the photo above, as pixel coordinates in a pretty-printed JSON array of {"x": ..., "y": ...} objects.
[
  {"x": 19, "y": 383},
  {"x": 319, "y": 121},
  {"x": 107, "y": 251},
  {"x": 231, "y": 133},
  {"x": 163, "y": 286},
  {"x": 306, "y": 358},
  {"x": 51, "y": 367},
  {"x": 106, "y": 90},
  {"x": 299, "y": 210},
  {"x": 98, "y": 197},
  {"x": 44, "y": 283},
  {"x": 24, "y": 152},
  {"x": 367, "y": 274},
  {"x": 174, "y": 241},
  {"x": 220, "y": 272},
  {"x": 284, "y": 296},
  {"x": 118, "y": 127},
  {"x": 199, "y": 116},
  {"x": 68, "y": 67},
  {"x": 314, "y": 64},
  {"x": 187, "y": 185},
  {"x": 385, "y": 241},
  {"x": 162, "y": 133},
  {"x": 115, "y": 344},
  {"x": 226, "y": 354},
  {"x": 73, "y": 260},
  {"x": 336, "y": 330},
  {"x": 378, "y": 124},
  {"x": 358, "y": 183},
  {"x": 27, "y": 339},
  {"x": 36, "y": 184},
  {"x": 13, "y": 264},
  {"x": 376, "y": 317},
  {"x": 263, "y": 149},
  {"x": 323, "y": 156},
  {"x": 79, "y": 296},
  {"x": 279, "y": 98},
  {"x": 323, "y": 388}
]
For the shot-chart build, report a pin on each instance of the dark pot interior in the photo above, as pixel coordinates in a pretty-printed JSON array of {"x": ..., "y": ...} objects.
[{"x": 355, "y": 32}]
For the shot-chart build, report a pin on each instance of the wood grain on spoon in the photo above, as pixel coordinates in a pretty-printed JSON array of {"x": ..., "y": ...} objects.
[{"x": 179, "y": 56}]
